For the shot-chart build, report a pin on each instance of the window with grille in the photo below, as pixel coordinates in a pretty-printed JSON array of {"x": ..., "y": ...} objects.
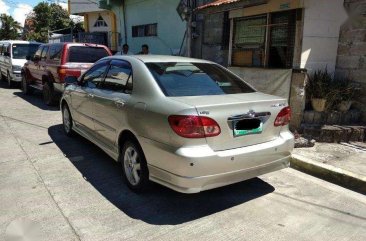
[
  {"x": 100, "y": 22},
  {"x": 265, "y": 40},
  {"x": 145, "y": 30}
]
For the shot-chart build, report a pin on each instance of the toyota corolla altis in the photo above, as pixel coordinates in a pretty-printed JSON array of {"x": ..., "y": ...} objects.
[{"x": 188, "y": 124}]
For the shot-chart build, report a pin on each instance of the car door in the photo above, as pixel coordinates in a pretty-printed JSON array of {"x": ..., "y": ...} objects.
[
  {"x": 82, "y": 97},
  {"x": 42, "y": 70},
  {"x": 111, "y": 102},
  {"x": 34, "y": 63}
]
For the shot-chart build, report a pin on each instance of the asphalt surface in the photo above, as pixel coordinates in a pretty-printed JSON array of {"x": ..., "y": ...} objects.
[{"x": 68, "y": 189}]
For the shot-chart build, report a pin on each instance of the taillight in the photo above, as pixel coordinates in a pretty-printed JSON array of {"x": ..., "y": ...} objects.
[
  {"x": 283, "y": 117},
  {"x": 64, "y": 71},
  {"x": 190, "y": 126}
]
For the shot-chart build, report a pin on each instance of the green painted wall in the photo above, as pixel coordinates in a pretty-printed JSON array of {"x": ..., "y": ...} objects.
[{"x": 163, "y": 12}]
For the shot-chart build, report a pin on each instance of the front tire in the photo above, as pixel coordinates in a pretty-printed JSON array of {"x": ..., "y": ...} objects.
[
  {"x": 48, "y": 94},
  {"x": 10, "y": 83},
  {"x": 67, "y": 121},
  {"x": 134, "y": 166}
]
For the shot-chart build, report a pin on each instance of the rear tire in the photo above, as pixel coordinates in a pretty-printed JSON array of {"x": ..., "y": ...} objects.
[
  {"x": 26, "y": 89},
  {"x": 134, "y": 166},
  {"x": 67, "y": 121},
  {"x": 48, "y": 94}
]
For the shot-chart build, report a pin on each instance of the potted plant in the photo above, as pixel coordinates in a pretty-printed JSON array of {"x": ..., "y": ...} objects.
[
  {"x": 319, "y": 89},
  {"x": 346, "y": 93}
]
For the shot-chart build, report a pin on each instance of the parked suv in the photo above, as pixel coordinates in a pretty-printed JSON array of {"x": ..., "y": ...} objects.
[{"x": 51, "y": 63}]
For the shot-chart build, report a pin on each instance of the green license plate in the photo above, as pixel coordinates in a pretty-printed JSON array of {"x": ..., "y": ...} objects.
[{"x": 247, "y": 132}]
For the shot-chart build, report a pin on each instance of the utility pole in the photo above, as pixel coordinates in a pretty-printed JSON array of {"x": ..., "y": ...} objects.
[{"x": 189, "y": 28}]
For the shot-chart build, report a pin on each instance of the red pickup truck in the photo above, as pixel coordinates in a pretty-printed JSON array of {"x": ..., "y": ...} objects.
[{"x": 51, "y": 63}]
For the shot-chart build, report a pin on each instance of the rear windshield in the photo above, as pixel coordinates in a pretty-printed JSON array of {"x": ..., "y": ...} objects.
[
  {"x": 194, "y": 79},
  {"x": 21, "y": 51},
  {"x": 86, "y": 54}
]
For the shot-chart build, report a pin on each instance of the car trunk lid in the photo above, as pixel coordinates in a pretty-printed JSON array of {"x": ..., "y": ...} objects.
[{"x": 253, "y": 114}]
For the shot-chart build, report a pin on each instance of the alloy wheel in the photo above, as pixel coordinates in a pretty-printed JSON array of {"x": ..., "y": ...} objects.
[
  {"x": 132, "y": 166},
  {"x": 66, "y": 120}
]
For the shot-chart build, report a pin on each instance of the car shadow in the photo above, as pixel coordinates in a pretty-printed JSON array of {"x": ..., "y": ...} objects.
[
  {"x": 36, "y": 99},
  {"x": 158, "y": 205}
]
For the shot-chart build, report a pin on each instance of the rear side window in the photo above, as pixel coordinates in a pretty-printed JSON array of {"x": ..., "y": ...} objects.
[
  {"x": 195, "y": 79},
  {"x": 86, "y": 54},
  {"x": 55, "y": 52},
  {"x": 119, "y": 77}
]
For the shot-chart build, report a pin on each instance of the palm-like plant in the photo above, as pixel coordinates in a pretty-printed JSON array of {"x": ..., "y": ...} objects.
[{"x": 9, "y": 27}]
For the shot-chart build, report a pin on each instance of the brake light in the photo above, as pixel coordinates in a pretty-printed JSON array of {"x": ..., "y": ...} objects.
[
  {"x": 190, "y": 126},
  {"x": 283, "y": 118},
  {"x": 64, "y": 71}
]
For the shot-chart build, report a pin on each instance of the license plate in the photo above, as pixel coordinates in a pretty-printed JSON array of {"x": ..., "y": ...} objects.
[{"x": 246, "y": 132}]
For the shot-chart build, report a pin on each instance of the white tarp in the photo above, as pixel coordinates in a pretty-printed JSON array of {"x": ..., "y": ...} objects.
[{"x": 269, "y": 81}]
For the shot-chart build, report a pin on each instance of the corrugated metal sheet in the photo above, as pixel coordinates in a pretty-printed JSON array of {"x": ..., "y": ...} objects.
[{"x": 217, "y": 3}]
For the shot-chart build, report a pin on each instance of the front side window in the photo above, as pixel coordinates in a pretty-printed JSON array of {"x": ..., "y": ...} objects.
[
  {"x": 119, "y": 77},
  {"x": 196, "y": 79},
  {"x": 21, "y": 51},
  {"x": 94, "y": 76}
]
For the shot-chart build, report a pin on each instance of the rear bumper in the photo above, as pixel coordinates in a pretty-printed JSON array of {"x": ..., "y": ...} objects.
[{"x": 195, "y": 169}]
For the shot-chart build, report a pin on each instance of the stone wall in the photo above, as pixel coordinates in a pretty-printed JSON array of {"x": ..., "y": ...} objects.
[{"x": 351, "y": 59}]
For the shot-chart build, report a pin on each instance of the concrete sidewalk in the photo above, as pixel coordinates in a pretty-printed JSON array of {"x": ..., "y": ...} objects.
[{"x": 343, "y": 164}]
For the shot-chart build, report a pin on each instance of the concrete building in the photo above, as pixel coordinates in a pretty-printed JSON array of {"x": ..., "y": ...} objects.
[
  {"x": 351, "y": 55},
  {"x": 152, "y": 22},
  {"x": 100, "y": 24},
  {"x": 274, "y": 44}
]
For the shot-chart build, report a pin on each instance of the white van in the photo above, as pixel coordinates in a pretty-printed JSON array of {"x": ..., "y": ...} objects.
[{"x": 13, "y": 55}]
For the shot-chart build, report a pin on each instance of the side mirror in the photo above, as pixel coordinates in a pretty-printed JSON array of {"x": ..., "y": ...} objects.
[
  {"x": 7, "y": 54},
  {"x": 28, "y": 57},
  {"x": 71, "y": 80},
  {"x": 36, "y": 58}
]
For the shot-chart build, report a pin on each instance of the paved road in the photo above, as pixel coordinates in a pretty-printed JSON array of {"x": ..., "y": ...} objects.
[{"x": 71, "y": 190}]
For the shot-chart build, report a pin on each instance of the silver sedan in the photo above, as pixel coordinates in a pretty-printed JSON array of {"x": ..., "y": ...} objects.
[{"x": 187, "y": 124}]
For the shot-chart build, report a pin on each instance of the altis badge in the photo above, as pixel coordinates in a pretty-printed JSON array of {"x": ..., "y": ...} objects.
[{"x": 278, "y": 105}]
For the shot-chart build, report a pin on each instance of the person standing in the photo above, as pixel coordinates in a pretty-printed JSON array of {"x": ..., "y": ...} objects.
[
  {"x": 125, "y": 50},
  {"x": 144, "y": 49}
]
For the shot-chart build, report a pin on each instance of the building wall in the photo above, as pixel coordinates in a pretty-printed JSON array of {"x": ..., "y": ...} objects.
[
  {"x": 170, "y": 28},
  {"x": 351, "y": 59},
  {"x": 322, "y": 22},
  {"x": 83, "y": 6}
]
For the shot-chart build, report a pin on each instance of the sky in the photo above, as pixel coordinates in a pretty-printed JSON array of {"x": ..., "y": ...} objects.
[{"x": 20, "y": 8}]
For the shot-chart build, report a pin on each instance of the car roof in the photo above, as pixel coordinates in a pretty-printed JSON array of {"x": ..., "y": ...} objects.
[
  {"x": 75, "y": 44},
  {"x": 19, "y": 42},
  {"x": 161, "y": 58}
]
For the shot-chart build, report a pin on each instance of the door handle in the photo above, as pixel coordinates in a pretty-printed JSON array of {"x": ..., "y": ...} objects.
[
  {"x": 119, "y": 103},
  {"x": 90, "y": 95}
]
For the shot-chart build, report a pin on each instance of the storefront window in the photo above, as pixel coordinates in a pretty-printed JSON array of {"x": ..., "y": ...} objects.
[{"x": 253, "y": 47}]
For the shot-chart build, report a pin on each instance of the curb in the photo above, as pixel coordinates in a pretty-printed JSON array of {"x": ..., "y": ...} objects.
[{"x": 329, "y": 173}]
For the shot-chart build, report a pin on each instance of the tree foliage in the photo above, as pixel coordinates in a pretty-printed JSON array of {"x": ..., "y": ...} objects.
[
  {"x": 49, "y": 17},
  {"x": 9, "y": 27}
]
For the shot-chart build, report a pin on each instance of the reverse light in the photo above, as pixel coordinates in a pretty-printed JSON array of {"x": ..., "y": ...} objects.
[
  {"x": 190, "y": 126},
  {"x": 283, "y": 118}
]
